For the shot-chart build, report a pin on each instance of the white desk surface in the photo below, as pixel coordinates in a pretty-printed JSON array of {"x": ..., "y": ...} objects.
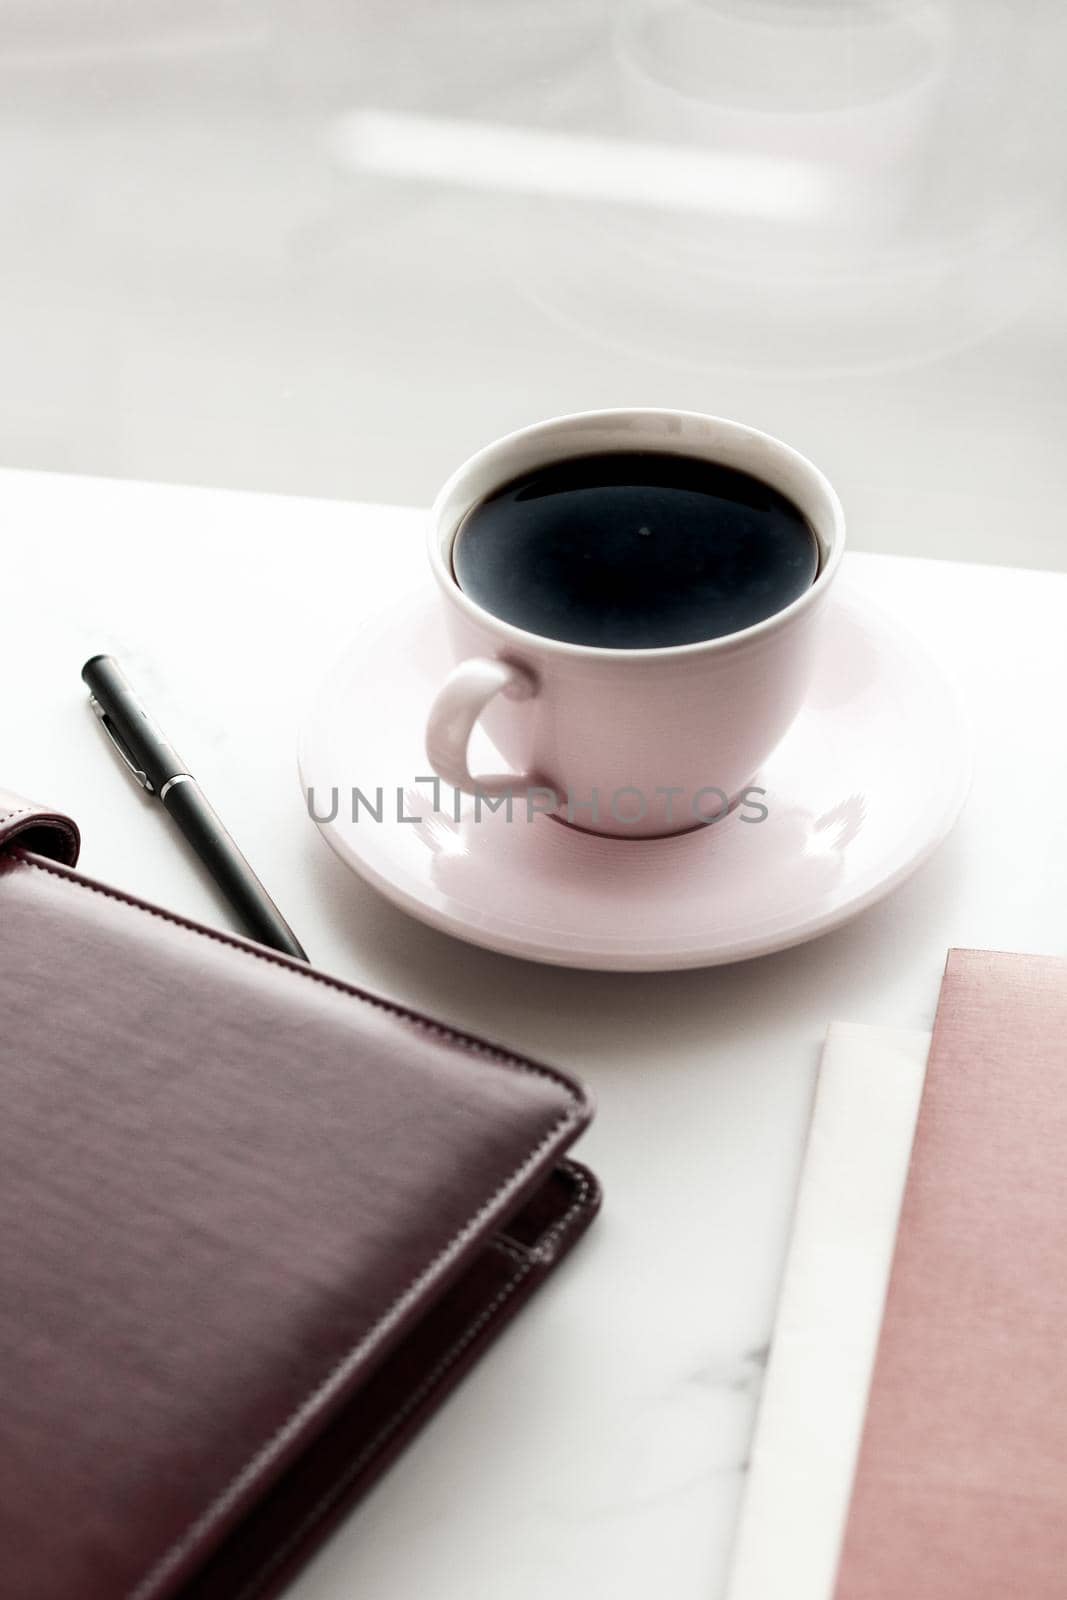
[{"x": 600, "y": 1448}]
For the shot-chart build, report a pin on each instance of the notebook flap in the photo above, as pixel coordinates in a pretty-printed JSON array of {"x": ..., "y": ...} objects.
[
  {"x": 229, "y": 1186},
  {"x": 38, "y": 828}
]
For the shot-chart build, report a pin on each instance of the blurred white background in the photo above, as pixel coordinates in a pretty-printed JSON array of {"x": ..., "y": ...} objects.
[{"x": 328, "y": 247}]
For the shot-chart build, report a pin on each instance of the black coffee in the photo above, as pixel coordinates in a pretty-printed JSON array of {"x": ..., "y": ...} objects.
[{"x": 634, "y": 551}]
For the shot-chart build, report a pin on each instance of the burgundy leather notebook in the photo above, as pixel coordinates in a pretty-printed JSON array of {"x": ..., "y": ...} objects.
[{"x": 254, "y": 1224}]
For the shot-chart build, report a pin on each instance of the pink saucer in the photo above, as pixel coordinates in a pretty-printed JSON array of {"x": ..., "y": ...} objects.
[{"x": 868, "y": 781}]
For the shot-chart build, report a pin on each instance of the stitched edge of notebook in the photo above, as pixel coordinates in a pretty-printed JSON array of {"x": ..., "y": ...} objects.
[
  {"x": 539, "y": 1254},
  {"x": 326, "y": 1390},
  {"x": 342, "y": 1370},
  {"x": 40, "y": 816},
  {"x": 275, "y": 959}
]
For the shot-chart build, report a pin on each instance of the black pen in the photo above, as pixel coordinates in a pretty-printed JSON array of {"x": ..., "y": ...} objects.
[{"x": 158, "y": 768}]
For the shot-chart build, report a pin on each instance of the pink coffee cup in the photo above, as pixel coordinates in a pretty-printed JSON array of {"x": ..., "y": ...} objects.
[{"x": 630, "y": 743}]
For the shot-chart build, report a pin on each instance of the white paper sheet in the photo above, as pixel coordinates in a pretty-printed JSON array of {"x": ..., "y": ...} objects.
[{"x": 829, "y": 1314}]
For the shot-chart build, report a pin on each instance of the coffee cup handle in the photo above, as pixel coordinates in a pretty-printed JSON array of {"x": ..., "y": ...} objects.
[{"x": 454, "y": 714}]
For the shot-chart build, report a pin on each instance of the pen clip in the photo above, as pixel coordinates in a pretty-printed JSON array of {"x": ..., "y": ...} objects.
[{"x": 124, "y": 754}]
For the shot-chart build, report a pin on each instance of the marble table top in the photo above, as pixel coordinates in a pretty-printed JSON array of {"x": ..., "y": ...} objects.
[{"x": 600, "y": 1447}]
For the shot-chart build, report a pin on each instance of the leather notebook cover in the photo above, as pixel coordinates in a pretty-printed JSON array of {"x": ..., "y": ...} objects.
[{"x": 254, "y": 1224}]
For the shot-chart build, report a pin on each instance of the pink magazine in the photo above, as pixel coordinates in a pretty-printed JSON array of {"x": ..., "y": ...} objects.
[{"x": 961, "y": 1485}]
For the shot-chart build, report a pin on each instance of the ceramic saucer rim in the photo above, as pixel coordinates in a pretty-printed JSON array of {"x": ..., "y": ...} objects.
[{"x": 601, "y": 953}]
